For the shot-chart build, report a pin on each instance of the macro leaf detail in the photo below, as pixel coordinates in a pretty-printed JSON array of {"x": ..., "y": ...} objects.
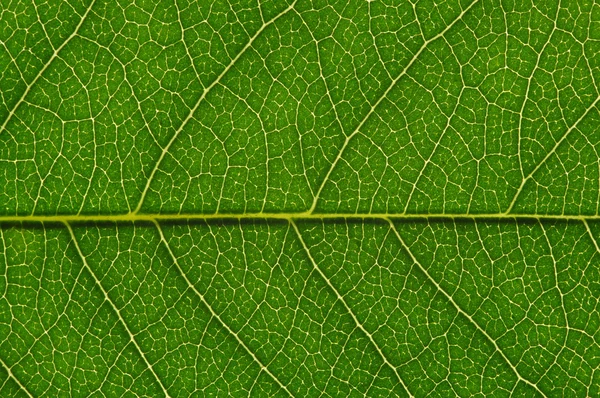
[{"x": 299, "y": 198}]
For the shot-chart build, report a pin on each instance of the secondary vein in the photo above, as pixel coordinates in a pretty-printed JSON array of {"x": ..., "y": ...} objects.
[
  {"x": 341, "y": 299},
  {"x": 45, "y": 67},
  {"x": 115, "y": 309},
  {"x": 461, "y": 311},
  {"x": 190, "y": 115}
]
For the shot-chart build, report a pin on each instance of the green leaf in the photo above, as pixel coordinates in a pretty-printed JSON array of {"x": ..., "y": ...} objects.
[{"x": 299, "y": 198}]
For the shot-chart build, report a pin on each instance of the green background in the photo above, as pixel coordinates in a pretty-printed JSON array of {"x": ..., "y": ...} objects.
[{"x": 301, "y": 198}]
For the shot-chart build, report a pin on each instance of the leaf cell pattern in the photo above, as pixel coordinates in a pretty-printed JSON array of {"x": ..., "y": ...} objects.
[{"x": 299, "y": 198}]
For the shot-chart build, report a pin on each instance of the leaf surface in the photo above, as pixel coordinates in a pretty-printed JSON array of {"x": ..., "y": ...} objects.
[{"x": 299, "y": 198}]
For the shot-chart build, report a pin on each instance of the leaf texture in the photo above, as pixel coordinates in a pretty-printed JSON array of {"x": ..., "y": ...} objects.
[{"x": 299, "y": 198}]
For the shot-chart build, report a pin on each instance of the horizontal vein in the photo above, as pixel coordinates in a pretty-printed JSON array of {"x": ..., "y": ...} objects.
[{"x": 131, "y": 217}]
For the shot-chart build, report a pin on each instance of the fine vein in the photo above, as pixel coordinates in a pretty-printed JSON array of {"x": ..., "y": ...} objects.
[
  {"x": 214, "y": 314},
  {"x": 14, "y": 378},
  {"x": 45, "y": 67},
  {"x": 115, "y": 309},
  {"x": 348, "y": 309},
  {"x": 381, "y": 98},
  {"x": 199, "y": 101},
  {"x": 460, "y": 310}
]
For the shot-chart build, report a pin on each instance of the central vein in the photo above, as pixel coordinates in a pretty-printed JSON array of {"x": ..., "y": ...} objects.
[{"x": 133, "y": 217}]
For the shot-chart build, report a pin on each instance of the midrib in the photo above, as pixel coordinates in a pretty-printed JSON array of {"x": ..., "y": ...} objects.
[{"x": 130, "y": 217}]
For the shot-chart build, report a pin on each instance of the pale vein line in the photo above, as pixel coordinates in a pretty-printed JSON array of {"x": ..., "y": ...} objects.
[
  {"x": 562, "y": 304},
  {"x": 529, "y": 80},
  {"x": 214, "y": 314},
  {"x": 381, "y": 98},
  {"x": 433, "y": 152},
  {"x": 348, "y": 309},
  {"x": 45, "y": 67},
  {"x": 460, "y": 310},
  {"x": 12, "y": 376},
  {"x": 205, "y": 92},
  {"x": 5, "y": 256},
  {"x": 129, "y": 217},
  {"x": 550, "y": 153},
  {"x": 327, "y": 92},
  {"x": 114, "y": 307},
  {"x": 589, "y": 231},
  {"x": 595, "y": 242},
  {"x": 13, "y": 60}
]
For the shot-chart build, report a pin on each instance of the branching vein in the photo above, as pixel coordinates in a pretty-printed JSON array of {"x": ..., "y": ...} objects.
[
  {"x": 12, "y": 376},
  {"x": 214, "y": 314},
  {"x": 348, "y": 309},
  {"x": 45, "y": 67},
  {"x": 379, "y": 101},
  {"x": 190, "y": 115},
  {"x": 461, "y": 311},
  {"x": 115, "y": 309}
]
